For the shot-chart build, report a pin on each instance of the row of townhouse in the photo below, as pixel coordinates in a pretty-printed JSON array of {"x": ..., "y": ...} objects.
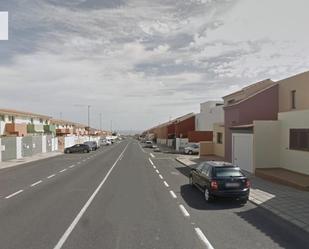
[
  {"x": 264, "y": 125},
  {"x": 24, "y": 134}
]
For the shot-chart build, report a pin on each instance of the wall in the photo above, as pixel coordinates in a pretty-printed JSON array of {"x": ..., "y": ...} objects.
[
  {"x": 2, "y": 127},
  {"x": 184, "y": 126},
  {"x": 218, "y": 149},
  {"x": 248, "y": 91},
  {"x": 198, "y": 136},
  {"x": 8, "y": 148},
  {"x": 206, "y": 148},
  {"x": 300, "y": 83},
  {"x": 292, "y": 159},
  {"x": 262, "y": 106},
  {"x": 208, "y": 116},
  {"x": 266, "y": 144}
]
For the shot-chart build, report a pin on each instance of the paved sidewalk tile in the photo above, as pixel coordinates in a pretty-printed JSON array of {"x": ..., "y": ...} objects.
[{"x": 33, "y": 158}]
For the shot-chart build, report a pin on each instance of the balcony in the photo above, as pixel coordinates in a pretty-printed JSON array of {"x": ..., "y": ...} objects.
[
  {"x": 64, "y": 131},
  {"x": 50, "y": 129},
  {"x": 35, "y": 128},
  {"x": 16, "y": 129}
]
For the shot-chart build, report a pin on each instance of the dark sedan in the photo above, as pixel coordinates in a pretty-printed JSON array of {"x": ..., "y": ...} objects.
[
  {"x": 78, "y": 148},
  {"x": 220, "y": 179}
]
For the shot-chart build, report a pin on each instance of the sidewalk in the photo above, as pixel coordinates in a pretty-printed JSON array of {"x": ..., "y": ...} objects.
[
  {"x": 288, "y": 203},
  {"x": 15, "y": 162}
]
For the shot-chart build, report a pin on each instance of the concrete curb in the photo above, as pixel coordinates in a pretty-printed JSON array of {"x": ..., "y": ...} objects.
[{"x": 259, "y": 203}]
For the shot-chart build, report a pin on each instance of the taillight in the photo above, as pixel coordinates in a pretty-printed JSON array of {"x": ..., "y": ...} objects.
[
  {"x": 214, "y": 185},
  {"x": 248, "y": 184}
]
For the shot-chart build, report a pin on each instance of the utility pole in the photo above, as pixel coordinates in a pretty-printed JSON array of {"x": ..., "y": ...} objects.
[
  {"x": 88, "y": 108},
  {"x": 100, "y": 121}
]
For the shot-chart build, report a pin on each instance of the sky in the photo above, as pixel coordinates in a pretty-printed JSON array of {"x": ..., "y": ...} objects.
[{"x": 143, "y": 62}]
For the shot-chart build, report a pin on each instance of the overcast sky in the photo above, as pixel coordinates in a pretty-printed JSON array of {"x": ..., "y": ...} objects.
[{"x": 140, "y": 62}]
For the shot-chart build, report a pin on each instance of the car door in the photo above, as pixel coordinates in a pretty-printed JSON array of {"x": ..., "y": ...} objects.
[
  {"x": 198, "y": 174},
  {"x": 76, "y": 148},
  {"x": 204, "y": 176}
]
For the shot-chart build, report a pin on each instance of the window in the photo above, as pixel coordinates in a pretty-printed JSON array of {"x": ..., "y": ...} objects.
[
  {"x": 1, "y": 117},
  {"x": 228, "y": 172},
  {"x": 12, "y": 119},
  {"x": 41, "y": 121},
  {"x": 219, "y": 138},
  {"x": 31, "y": 120},
  {"x": 299, "y": 139},
  {"x": 293, "y": 99}
]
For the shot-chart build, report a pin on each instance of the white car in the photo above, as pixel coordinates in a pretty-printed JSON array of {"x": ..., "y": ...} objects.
[{"x": 192, "y": 149}]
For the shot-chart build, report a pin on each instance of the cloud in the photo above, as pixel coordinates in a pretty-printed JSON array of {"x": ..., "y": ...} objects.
[{"x": 139, "y": 62}]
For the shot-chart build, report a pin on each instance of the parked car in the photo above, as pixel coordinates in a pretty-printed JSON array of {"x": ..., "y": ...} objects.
[
  {"x": 92, "y": 145},
  {"x": 78, "y": 148},
  {"x": 220, "y": 179},
  {"x": 192, "y": 149},
  {"x": 148, "y": 144}
]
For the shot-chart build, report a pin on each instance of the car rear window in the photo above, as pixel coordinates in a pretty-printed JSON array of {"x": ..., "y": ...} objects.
[{"x": 227, "y": 172}]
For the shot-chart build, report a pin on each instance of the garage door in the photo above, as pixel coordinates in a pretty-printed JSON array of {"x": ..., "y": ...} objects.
[{"x": 242, "y": 151}]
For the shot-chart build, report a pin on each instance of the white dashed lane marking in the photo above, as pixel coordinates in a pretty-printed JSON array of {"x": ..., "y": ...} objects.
[
  {"x": 165, "y": 183},
  {"x": 50, "y": 176},
  {"x": 161, "y": 177},
  {"x": 158, "y": 171},
  {"x": 62, "y": 170},
  {"x": 184, "y": 210},
  {"x": 152, "y": 155},
  {"x": 203, "y": 238},
  {"x": 72, "y": 166},
  {"x": 36, "y": 183},
  {"x": 151, "y": 161},
  {"x": 173, "y": 194},
  {"x": 16, "y": 193}
]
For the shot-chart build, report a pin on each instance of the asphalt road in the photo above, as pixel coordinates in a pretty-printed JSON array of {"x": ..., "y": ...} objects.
[{"x": 123, "y": 197}]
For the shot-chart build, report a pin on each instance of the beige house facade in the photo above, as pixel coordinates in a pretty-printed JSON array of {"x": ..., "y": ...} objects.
[{"x": 285, "y": 143}]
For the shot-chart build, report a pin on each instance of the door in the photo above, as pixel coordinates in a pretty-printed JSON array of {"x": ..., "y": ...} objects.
[{"x": 242, "y": 151}]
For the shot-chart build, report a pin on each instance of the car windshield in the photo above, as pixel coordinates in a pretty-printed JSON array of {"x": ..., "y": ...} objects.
[{"x": 227, "y": 172}]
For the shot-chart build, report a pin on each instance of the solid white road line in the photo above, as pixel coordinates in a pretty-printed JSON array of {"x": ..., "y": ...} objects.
[
  {"x": 62, "y": 170},
  {"x": 161, "y": 177},
  {"x": 69, "y": 230},
  {"x": 165, "y": 183},
  {"x": 151, "y": 161},
  {"x": 152, "y": 155},
  {"x": 36, "y": 183},
  {"x": 72, "y": 166},
  {"x": 203, "y": 238},
  {"x": 50, "y": 176},
  {"x": 173, "y": 194},
  {"x": 16, "y": 193},
  {"x": 184, "y": 211},
  {"x": 158, "y": 171}
]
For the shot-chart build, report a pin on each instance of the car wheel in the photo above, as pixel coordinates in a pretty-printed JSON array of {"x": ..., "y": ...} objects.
[
  {"x": 190, "y": 152},
  {"x": 67, "y": 151},
  {"x": 243, "y": 201},
  {"x": 208, "y": 196}
]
